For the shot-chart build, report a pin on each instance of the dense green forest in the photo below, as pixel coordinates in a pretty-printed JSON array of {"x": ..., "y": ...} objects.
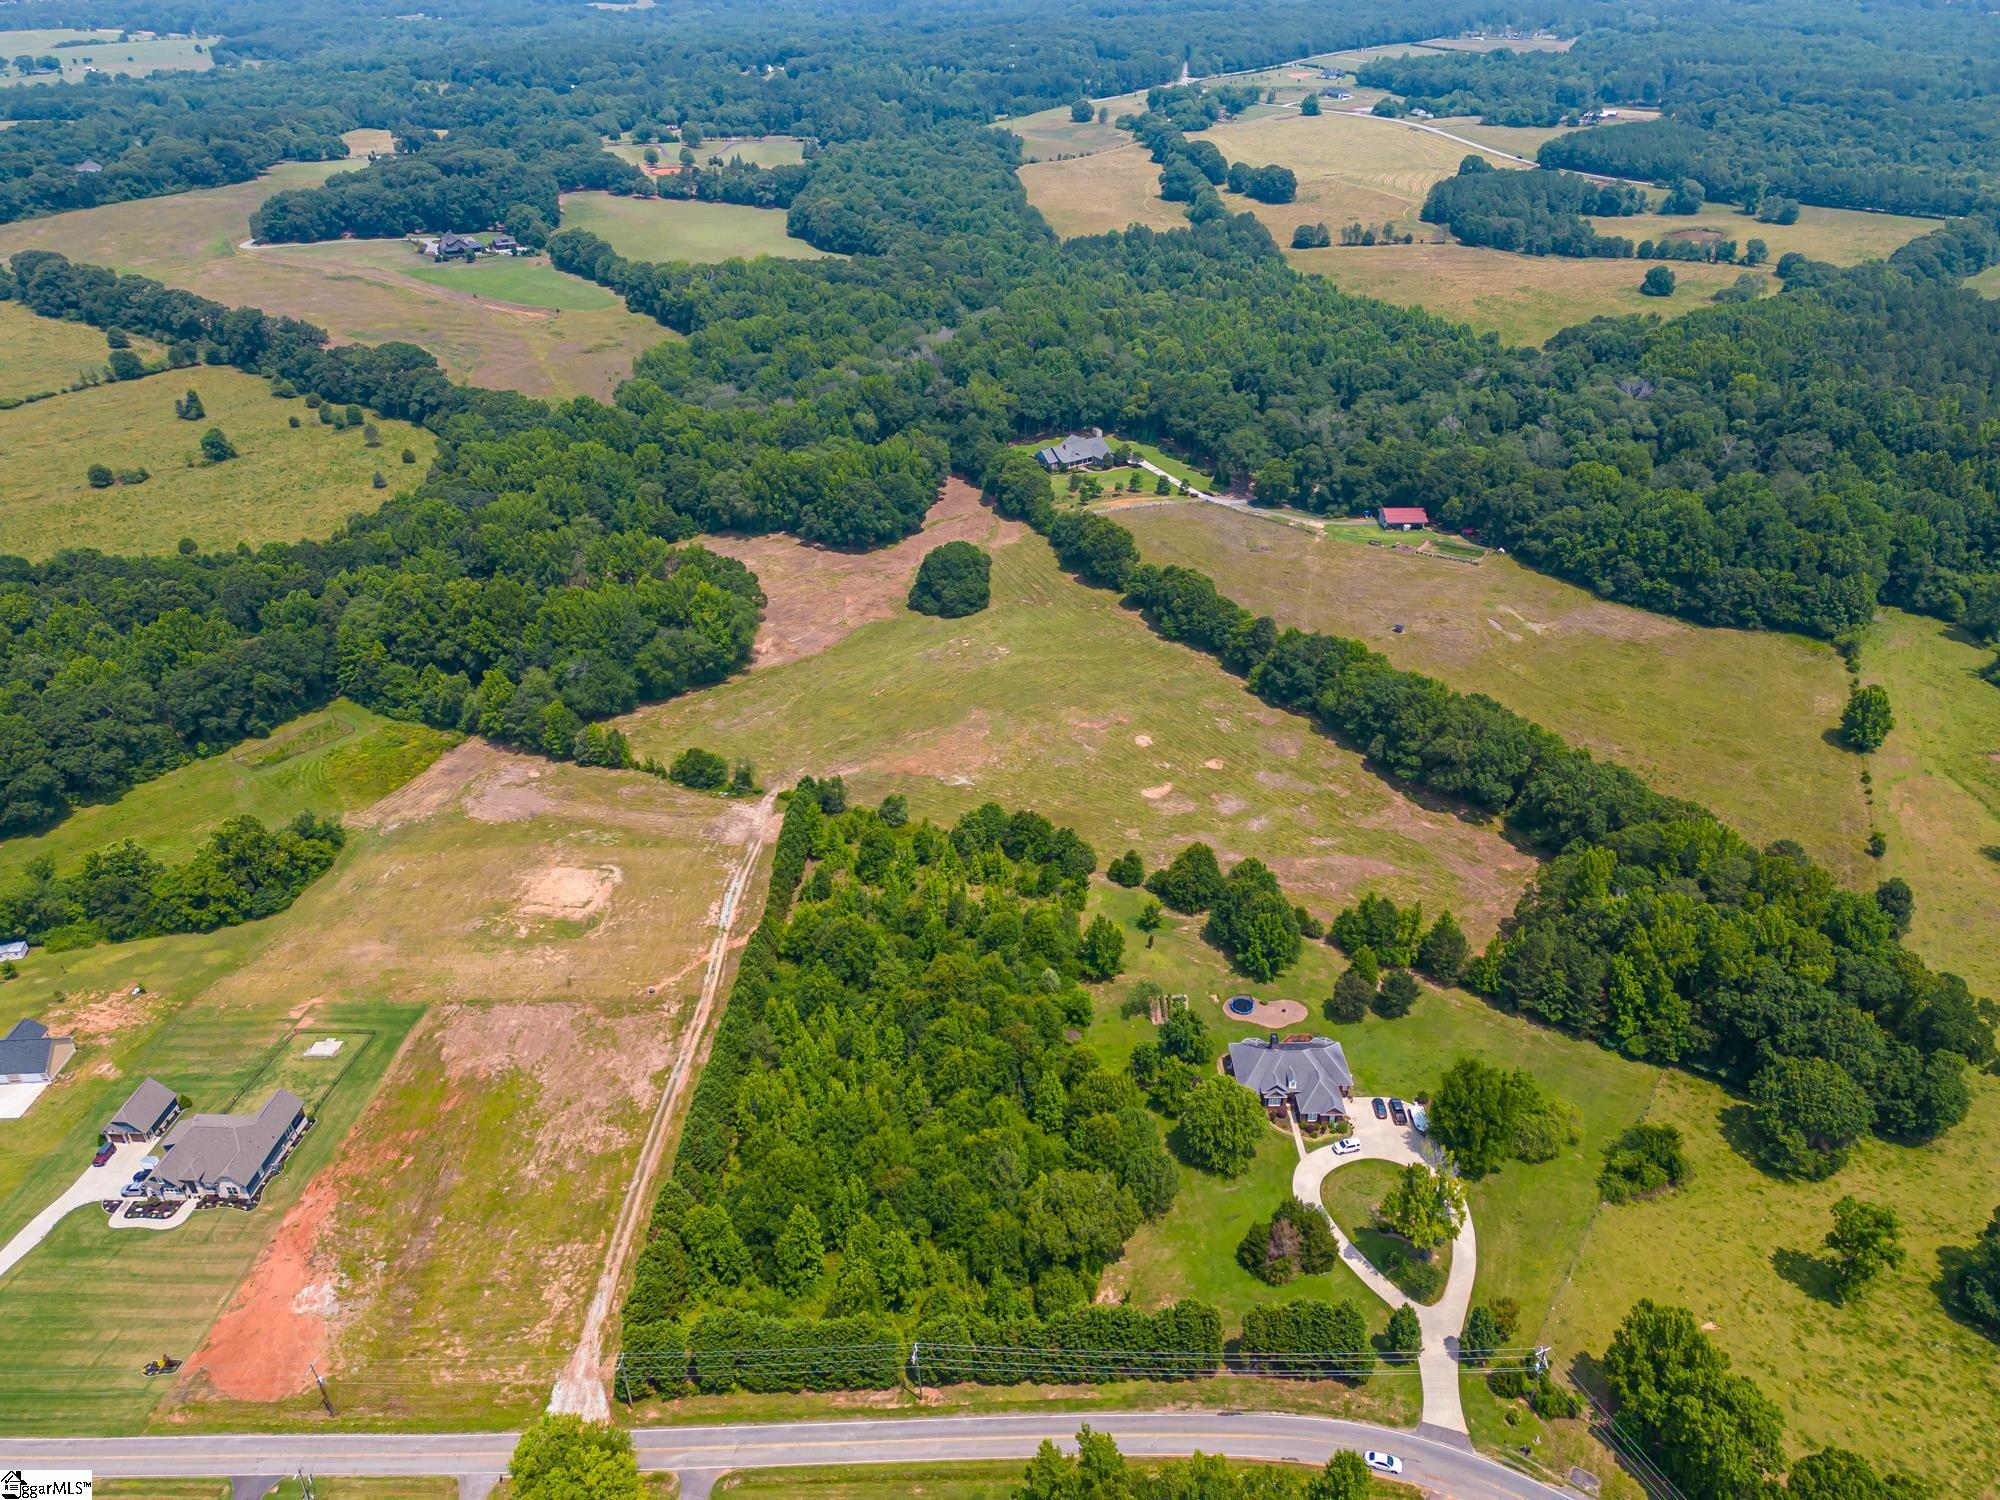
[
  {"x": 1835, "y": 102},
  {"x": 895, "y": 1134}
]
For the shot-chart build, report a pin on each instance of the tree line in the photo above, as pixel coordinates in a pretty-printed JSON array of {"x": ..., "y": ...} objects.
[{"x": 240, "y": 872}]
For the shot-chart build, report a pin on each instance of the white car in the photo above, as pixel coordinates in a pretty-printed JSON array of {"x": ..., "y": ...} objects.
[
  {"x": 1346, "y": 1147},
  {"x": 1386, "y": 1463}
]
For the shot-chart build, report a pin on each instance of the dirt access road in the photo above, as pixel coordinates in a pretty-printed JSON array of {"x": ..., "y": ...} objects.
[{"x": 581, "y": 1388}]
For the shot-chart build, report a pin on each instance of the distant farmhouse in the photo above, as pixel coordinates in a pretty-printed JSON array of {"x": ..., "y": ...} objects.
[
  {"x": 88, "y": 166},
  {"x": 1402, "y": 518},
  {"x": 12, "y": 951},
  {"x": 29, "y": 1054},
  {"x": 151, "y": 1109},
  {"x": 1308, "y": 1074},
  {"x": 1075, "y": 452},
  {"x": 229, "y": 1156},
  {"x": 453, "y": 246}
]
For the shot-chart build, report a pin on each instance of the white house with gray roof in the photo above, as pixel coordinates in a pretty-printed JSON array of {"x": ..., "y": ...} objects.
[
  {"x": 1309, "y": 1074},
  {"x": 229, "y": 1156}
]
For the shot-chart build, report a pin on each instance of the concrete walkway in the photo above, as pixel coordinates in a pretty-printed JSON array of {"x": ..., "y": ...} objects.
[
  {"x": 93, "y": 1187},
  {"x": 1384, "y": 1140}
]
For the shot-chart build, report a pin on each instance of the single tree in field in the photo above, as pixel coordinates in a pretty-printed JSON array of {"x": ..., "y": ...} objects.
[
  {"x": 1101, "y": 954},
  {"x": 1867, "y": 719},
  {"x": 952, "y": 581},
  {"x": 1972, "y": 1279},
  {"x": 1810, "y": 1113},
  {"x": 1152, "y": 917},
  {"x": 1657, "y": 282},
  {"x": 1221, "y": 1123},
  {"x": 1866, "y": 1240},
  {"x": 564, "y": 1457},
  {"x": 215, "y": 447},
  {"x": 1309, "y": 105},
  {"x": 1405, "y": 1333},
  {"x": 189, "y": 407},
  {"x": 1397, "y": 996},
  {"x": 1081, "y": 112},
  {"x": 1425, "y": 1207}
]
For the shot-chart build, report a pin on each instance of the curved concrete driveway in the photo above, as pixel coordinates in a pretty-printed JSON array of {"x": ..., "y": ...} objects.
[
  {"x": 93, "y": 1187},
  {"x": 1384, "y": 1140}
]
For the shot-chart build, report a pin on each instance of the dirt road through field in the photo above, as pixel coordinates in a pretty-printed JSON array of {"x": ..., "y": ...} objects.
[{"x": 581, "y": 1386}]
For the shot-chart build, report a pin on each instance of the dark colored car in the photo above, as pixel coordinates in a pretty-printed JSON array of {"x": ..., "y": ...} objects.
[
  {"x": 103, "y": 1154},
  {"x": 1398, "y": 1112},
  {"x": 1381, "y": 1109}
]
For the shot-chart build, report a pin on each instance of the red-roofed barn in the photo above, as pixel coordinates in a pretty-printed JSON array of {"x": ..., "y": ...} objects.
[{"x": 1402, "y": 518}]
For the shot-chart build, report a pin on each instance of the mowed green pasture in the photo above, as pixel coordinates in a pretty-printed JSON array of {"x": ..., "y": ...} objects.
[
  {"x": 333, "y": 762},
  {"x": 90, "y": 1304},
  {"x": 1059, "y": 699},
  {"x": 1733, "y": 719},
  {"x": 1937, "y": 789},
  {"x": 663, "y": 229},
  {"x": 285, "y": 484},
  {"x": 359, "y": 290},
  {"x": 521, "y": 281},
  {"x": 1737, "y": 1246},
  {"x": 1530, "y": 1218},
  {"x": 46, "y": 354}
]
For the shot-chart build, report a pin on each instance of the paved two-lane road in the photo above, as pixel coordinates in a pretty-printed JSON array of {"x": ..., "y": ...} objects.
[{"x": 700, "y": 1454}]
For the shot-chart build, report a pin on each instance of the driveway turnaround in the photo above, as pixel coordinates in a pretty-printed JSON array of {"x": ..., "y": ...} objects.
[
  {"x": 699, "y": 1455},
  {"x": 1384, "y": 1140},
  {"x": 93, "y": 1187}
]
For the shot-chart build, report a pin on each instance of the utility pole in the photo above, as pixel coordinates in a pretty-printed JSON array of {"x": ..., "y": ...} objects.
[
  {"x": 325, "y": 1400},
  {"x": 306, "y": 1486}
]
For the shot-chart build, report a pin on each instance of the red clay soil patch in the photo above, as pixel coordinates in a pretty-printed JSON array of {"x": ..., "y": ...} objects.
[
  {"x": 818, "y": 598},
  {"x": 259, "y": 1348}
]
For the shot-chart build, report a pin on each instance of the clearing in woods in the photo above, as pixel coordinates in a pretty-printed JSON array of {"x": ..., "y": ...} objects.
[
  {"x": 285, "y": 483},
  {"x": 358, "y": 290},
  {"x": 663, "y": 229},
  {"x": 1058, "y": 699},
  {"x": 1733, "y": 719},
  {"x": 1840, "y": 236},
  {"x": 48, "y": 354},
  {"x": 105, "y": 55},
  {"x": 757, "y": 150}
]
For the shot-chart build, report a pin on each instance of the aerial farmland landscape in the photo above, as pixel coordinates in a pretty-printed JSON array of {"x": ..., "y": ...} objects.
[{"x": 1114, "y": 752}]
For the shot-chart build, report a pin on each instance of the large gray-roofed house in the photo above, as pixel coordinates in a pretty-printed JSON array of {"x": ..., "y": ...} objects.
[
  {"x": 1308, "y": 1073},
  {"x": 29, "y": 1054},
  {"x": 229, "y": 1156},
  {"x": 150, "y": 1110},
  {"x": 1075, "y": 452}
]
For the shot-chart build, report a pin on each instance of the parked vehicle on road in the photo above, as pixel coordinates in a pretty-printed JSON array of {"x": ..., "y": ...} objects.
[
  {"x": 1386, "y": 1463},
  {"x": 1347, "y": 1147}
]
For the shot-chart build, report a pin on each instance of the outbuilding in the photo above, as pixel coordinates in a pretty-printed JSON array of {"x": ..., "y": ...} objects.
[
  {"x": 1402, "y": 518},
  {"x": 151, "y": 1109}
]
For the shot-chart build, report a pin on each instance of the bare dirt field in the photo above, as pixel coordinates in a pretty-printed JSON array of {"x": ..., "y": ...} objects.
[
  {"x": 555, "y": 920},
  {"x": 818, "y": 597}
]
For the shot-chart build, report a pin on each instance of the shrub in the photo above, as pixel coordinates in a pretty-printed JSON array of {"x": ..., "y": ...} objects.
[
  {"x": 1191, "y": 883},
  {"x": 99, "y": 476},
  {"x": 1444, "y": 950},
  {"x": 1125, "y": 870},
  {"x": 1866, "y": 721},
  {"x": 1658, "y": 282},
  {"x": 189, "y": 408},
  {"x": 952, "y": 581},
  {"x": 409, "y": 454},
  {"x": 380, "y": 481},
  {"x": 701, "y": 770},
  {"x": 1645, "y": 1160},
  {"x": 215, "y": 447}
]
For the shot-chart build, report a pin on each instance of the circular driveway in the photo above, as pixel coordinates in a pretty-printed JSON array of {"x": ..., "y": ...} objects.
[{"x": 1384, "y": 1140}]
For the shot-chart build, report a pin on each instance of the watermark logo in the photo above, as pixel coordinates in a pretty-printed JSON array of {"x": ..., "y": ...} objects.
[{"x": 45, "y": 1484}]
